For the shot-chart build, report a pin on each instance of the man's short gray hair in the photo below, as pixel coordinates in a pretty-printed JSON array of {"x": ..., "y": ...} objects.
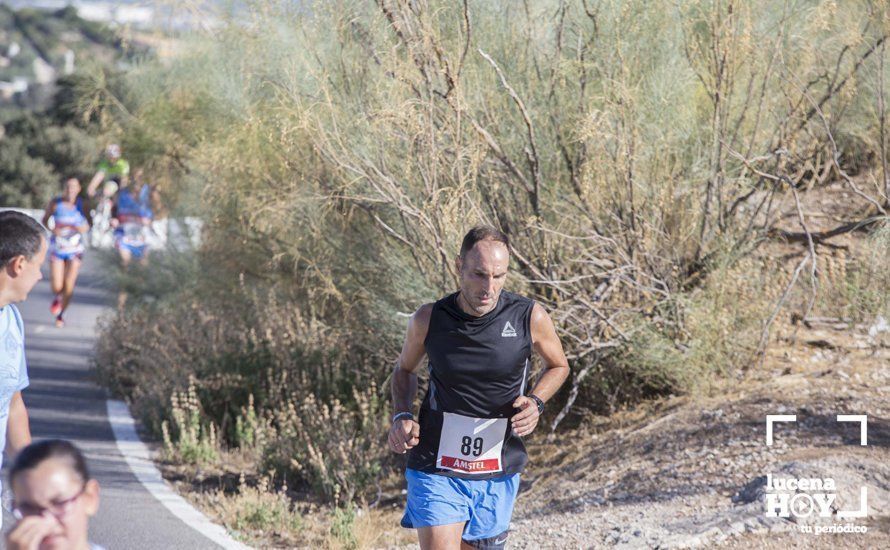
[
  {"x": 20, "y": 235},
  {"x": 482, "y": 233}
]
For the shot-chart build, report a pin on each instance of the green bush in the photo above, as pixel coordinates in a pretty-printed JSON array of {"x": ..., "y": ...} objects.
[
  {"x": 260, "y": 508},
  {"x": 342, "y": 527},
  {"x": 188, "y": 437},
  {"x": 25, "y": 181}
]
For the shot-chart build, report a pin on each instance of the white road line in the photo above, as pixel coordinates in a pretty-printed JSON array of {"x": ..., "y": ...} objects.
[{"x": 139, "y": 459}]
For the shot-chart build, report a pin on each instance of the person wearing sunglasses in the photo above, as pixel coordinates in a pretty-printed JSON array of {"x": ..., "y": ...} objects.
[{"x": 54, "y": 498}]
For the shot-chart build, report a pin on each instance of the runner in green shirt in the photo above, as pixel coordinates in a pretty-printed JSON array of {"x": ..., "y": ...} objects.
[{"x": 111, "y": 167}]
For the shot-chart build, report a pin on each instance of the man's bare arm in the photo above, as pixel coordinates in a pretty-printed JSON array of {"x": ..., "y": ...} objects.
[
  {"x": 404, "y": 390},
  {"x": 48, "y": 212},
  {"x": 405, "y": 433},
  {"x": 547, "y": 345},
  {"x": 18, "y": 428},
  {"x": 404, "y": 378},
  {"x": 94, "y": 183}
]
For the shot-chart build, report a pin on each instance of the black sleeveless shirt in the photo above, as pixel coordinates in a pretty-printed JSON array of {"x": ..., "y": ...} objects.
[{"x": 478, "y": 367}]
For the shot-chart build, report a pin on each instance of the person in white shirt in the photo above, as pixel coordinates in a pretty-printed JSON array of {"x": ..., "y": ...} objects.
[{"x": 22, "y": 251}]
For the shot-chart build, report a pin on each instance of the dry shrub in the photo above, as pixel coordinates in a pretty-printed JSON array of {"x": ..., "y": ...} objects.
[
  {"x": 217, "y": 376},
  {"x": 258, "y": 510},
  {"x": 636, "y": 153},
  {"x": 856, "y": 285},
  {"x": 188, "y": 437},
  {"x": 721, "y": 324},
  {"x": 338, "y": 446}
]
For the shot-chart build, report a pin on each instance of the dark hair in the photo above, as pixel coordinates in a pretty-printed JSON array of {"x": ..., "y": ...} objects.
[
  {"x": 482, "y": 233},
  {"x": 20, "y": 235},
  {"x": 36, "y": 453}
]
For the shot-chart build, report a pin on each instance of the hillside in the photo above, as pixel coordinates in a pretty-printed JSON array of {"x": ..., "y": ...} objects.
[
  {"x": 690, "y": 471},
  {"x": 53, "y": 65},
  {"x": 36, "y": 47}
]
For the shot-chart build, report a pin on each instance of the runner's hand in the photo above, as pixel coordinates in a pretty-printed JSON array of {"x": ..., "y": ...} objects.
[
  {"x": 403, "y": 435},
  {"x": 526, "y": 419},
  {"x": 30, "y": 532}
]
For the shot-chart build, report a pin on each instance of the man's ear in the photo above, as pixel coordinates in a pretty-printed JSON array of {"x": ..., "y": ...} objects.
[
  {"x": 15, "y": 266},
  {"x": 458, "y": 263}
]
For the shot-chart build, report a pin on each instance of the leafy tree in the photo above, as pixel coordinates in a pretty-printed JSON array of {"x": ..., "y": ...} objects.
[{"x": 25, "y": 181}]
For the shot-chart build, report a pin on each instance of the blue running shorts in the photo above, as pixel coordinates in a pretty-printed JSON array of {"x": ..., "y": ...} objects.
[
  {"x": 137, "y": 251},
  {"x": 65, "y": 256},
  {"x": 486, "y": 505}
]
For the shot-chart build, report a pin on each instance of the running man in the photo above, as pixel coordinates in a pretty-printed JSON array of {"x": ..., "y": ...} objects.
[
  {"x": 112, "y": 167},
  {"x": 66, "y": 246},
  {"x": 22, "y": 251},
  {"x": 114, "y": 171},
  {"x": 465, "y": 451}
]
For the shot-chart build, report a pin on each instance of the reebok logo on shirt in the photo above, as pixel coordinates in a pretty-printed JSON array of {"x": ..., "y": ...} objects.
[{"x": 509, "y": 331}]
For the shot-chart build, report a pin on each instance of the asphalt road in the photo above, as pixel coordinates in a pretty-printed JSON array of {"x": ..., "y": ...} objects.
[{"x": 64, "y": 401}]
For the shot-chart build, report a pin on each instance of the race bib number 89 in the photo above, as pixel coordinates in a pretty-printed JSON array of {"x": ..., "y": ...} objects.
[{"x": 471, "y": 445}]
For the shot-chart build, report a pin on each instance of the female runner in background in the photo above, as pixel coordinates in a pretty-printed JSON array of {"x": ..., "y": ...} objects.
[{"x": 71, "y": 220}]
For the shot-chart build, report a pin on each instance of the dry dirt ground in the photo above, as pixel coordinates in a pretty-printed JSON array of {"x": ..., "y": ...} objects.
[{"x": 684, "y": 473}]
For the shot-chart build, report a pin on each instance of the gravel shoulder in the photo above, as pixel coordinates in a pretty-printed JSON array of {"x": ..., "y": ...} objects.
[{"x": 688, "y": 473}]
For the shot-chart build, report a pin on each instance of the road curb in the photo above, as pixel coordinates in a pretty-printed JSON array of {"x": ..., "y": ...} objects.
[{"x": 138, "y": 458}]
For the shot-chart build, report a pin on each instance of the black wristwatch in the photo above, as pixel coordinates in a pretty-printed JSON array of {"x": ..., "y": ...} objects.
[{"x": 538, "y": 401}]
